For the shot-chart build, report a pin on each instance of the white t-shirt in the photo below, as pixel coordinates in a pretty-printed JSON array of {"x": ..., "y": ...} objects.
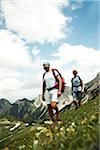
[
  {"x": 76, "y": 84},
  {"x": 50, "y": 79}
]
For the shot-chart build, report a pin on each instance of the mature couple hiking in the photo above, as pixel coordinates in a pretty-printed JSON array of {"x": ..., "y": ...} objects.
[{"x": 53, "y": 87}]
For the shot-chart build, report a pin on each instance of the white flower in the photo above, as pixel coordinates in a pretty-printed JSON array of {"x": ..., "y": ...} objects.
[
  {"x": 37, "y": 134},
  {"x": 35, "y": 145},
  {"x": 40, "y": 128},
  {"x": 73, "y": 123},
  {"x": 48, "y": 122},
  {"x": 62, "y": 128}
]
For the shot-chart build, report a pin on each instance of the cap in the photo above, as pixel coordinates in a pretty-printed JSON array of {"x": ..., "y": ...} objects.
[{"x": 46, "y": 63}]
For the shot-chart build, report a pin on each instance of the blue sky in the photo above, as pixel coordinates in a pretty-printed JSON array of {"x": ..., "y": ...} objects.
[
  {"x": 65, "y": 33},
  {"x": 85, "y": 25}
]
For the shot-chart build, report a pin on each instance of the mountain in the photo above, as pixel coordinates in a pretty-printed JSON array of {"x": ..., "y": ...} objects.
[
  {"x": 5, "y": 106},
  {"x": 36, "y": 110},
  {"x": 91, "y": 89},
  {"x": 22, "y": 109}
]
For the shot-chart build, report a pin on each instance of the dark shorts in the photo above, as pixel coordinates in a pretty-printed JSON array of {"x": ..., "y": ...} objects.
[{"x": 77, "y": 95}]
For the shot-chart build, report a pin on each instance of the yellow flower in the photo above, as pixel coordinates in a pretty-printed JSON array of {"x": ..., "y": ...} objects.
[
  {"x": 37, "y": 134},
  {"x": 84, "y": 121},
  {"x": 70, "y": 130},
  {"x": 50, "y": 135},
  {"x": 6, "y": 148},
  {"x": 93, "y": 117}
]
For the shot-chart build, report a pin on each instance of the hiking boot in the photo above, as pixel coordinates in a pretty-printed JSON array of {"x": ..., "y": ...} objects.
[{"x": 58, "y": 117}]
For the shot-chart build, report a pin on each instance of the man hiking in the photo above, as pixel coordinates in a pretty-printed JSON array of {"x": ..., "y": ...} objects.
[
  {"x": 50, "y": 93},
  {"x": 77, "y": 86}
]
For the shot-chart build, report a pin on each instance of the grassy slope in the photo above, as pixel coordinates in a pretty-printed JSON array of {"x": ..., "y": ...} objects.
[{"x": 78, "y": 131}]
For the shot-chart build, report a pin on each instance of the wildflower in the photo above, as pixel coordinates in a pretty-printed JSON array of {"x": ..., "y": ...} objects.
[
  {"x": 6, "y": 148},
  {"x": 73, "y": 124},
  {"x": 32, "y": 128},
  {"x": 67, "y": 129},
  {"x": 93, "y": 117},
  {"x": 84, "y": 121},
  {"x": 35, "y": 145},
  {"x": 44, "y": 130},
  {"x": 70, "y": 130},
  {"x": 40, "y": 131},
  {"x": 62, "y": 145},
  {"x": 40, "y": 128},
  {"x": 48, "y": 122},
  {"x": 21, "y": 147},
  {"x": 50, "y": 135},
  {"x": 59, "y": 122},
  {"x": 37, "y": 134},
  {"x": 47, "y": 134},
  {"x": 62, "y": 128}
]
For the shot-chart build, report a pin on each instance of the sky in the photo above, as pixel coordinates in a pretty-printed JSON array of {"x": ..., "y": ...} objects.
[{"x": 63, "y": 32}]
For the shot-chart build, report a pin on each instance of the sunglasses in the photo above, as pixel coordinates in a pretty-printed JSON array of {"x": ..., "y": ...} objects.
[{"x": 45, "y": 65}]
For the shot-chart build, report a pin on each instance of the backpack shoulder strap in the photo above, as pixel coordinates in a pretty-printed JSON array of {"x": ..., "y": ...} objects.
[
  {"x": 80, "y": 80},
  {"x": 53, "y": 70},
  {"x": 72, "y": 82},
  {"x": 44, "y": 75}
]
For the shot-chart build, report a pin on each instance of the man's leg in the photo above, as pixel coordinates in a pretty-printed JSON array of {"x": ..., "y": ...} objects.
[
  {"x": 79, "y": 98},
  {"x": 75, "y": 100},
  {"x": 75, "y": 103},
  {"x": 55, "y": 107},
  {"x": 54, "y": 102},
  {"x": 48, "y": 101},
  {"x": 50, "y": 112}
]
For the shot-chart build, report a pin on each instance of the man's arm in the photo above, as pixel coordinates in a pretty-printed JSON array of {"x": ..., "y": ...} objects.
[
  {"x": 60, "y": 85},
  {"x": 82, "y": 85},
  {"x": 43, "y": 89},
  {"x": 72, "y": 89},
  {"x": 72, "y": 86}
]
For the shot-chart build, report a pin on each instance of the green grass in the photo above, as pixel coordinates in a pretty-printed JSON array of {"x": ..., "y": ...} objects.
[{"x": 78, "y": 131}]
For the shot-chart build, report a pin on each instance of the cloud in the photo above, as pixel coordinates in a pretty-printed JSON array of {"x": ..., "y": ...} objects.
[
  {"x": 85, "y": 60},
  {"x": 36, "y": 20},
  {"x": 35, "y": 51},
  {"x": 76, "y": 5},
  {"x": 13, "y": 52},
  {"x": 19, "y": 73},
  {"x": 12, "y": 96},
  {"x": 60, "y": 3},
  {"x": 10, "y": 84},
  {"x": 78, "y": 53}
]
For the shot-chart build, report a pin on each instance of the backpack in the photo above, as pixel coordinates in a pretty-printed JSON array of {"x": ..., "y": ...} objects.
[{"x": 56, "y": 80}]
